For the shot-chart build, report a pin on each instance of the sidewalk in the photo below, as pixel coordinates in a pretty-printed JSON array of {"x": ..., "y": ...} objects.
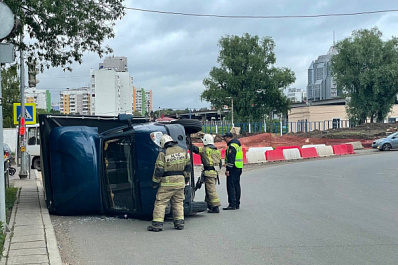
[{"x": 31, "y": 239}]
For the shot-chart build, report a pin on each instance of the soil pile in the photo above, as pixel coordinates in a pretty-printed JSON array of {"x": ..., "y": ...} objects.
[{"x": 365, "y": 133}]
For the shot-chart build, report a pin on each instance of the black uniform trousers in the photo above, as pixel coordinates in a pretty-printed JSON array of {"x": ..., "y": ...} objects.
[{"x": 233, "y": 187}]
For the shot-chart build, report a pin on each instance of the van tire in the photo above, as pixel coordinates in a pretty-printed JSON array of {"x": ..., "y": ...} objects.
[
  {"x": 36, "y": 163},
  {"x": 191, "y": 126}
]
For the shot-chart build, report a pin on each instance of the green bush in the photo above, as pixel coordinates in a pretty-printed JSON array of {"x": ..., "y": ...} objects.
[{"x": 11, "y": 197}]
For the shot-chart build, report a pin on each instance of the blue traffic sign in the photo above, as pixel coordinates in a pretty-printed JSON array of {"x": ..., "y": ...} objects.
[{"x": 30, "y": 113}]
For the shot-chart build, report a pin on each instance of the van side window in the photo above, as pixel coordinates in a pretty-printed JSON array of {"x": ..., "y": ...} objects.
[{"x": 32, "y": 136}]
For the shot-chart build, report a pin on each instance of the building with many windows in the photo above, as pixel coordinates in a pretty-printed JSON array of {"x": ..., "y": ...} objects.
[
  {"x": 320, "y": 81},
  {"x": 111, "y": 88},
  {"x": 142, "y": 101},
  {"x": 75, "y": 101},
  {"x": 295, "y": 94},
  {"x": 42, "y": 98}
]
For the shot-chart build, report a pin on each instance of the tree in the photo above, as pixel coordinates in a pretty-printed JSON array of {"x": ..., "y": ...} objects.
[
  {"x": 366, "y": 70},
  {"x": 11, "y": 93},
  {"x": 44, "y": 111},
  {"x": 247, "y": 75},
  {"x": 63, "y": 30}
]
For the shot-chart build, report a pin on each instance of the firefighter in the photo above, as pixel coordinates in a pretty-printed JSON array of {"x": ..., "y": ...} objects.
[
  {"x": 172, "y": 170},
  {"x": 234, "y": 165},
  {"x": 211, "y": 157}
]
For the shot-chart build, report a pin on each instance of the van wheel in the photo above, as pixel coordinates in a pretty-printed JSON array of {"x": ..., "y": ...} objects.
[
  {"x": 191, "y": 126},
  {"x": 36, "y": 163}
]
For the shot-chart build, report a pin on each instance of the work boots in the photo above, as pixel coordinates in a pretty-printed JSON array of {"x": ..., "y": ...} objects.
[
  {"x": 214, "y": 210},
  {"x": 155, "y": 227},
  {"x": 179, "y": 224}
]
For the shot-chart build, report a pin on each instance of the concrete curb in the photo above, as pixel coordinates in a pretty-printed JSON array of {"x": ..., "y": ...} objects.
[
  {"x": 51, "y": 241},
  {"x": 7, "y": 239},
  {"x": 38, "y": 245}
]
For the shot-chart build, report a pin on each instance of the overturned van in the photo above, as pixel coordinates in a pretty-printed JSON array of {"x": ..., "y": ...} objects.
[{"x": 104, "y": 165}]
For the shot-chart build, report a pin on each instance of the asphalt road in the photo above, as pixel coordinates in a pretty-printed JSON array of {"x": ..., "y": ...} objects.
[{"x": 326, "y": 211}]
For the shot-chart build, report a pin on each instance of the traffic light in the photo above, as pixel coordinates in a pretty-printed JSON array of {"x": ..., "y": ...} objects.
[
  {"x": 22, "y": 128},
  {"x": 32, "y": 72}
]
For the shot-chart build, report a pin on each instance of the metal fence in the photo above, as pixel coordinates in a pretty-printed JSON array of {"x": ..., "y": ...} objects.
[
  {"x": 277, "y": 127},
  {"x": 255, "y": 127}
]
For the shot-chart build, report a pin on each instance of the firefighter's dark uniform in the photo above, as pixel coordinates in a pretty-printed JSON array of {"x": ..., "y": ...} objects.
[
  {"x": 234, "y": 164},
  {"x": 211, "y": 157},
  {"x": 172, "y": 170}
]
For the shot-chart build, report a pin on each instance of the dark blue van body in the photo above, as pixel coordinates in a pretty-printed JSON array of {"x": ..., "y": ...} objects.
[{"x": 104, "y": 165}]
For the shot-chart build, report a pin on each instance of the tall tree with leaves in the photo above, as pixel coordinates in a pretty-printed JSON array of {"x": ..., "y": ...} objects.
[
  {"x": 366, "y": 69},
  {"x": 247, "y": 74},
  {"x": 10, "y": 92},
  {"x": 60, "y": 31}
]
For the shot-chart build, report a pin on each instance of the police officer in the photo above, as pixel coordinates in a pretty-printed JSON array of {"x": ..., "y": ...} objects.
[
  {"x": 211, "y": 158},
  {"x": 234, "y": 165},
  {"x": 172, "y": 169}
]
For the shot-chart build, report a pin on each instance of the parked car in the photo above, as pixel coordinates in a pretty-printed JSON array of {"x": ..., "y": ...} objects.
[
  {"x": 104, "y": 165},
  {"x": 387, "y": 143},
  {"x": 7, "y": 151}
]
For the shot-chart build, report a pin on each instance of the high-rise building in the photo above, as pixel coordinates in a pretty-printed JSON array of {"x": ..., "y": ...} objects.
[
  {"x": 320, "y": 81},
  {"x": 75, "y": 101},
  {"x": 42, "y": 98},
  {"x": 142, "y": 101},
  {"x": 111, "y": 84},
  {"x": 119, "y": 64}
]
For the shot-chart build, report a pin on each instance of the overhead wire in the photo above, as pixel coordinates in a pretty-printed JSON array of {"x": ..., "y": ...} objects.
[{"x": 262, "y": 17}]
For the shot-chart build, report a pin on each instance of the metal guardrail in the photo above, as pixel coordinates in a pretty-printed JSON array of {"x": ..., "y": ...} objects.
[{"x": 222, "y": 127}]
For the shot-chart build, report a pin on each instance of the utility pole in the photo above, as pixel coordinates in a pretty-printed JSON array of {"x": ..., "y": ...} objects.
[
  {"x": 23, "y": 172},
  {"x": 6, "y": 56},
  {"x": 232, "y": 103},
  {"x": 232, "y": 110}
]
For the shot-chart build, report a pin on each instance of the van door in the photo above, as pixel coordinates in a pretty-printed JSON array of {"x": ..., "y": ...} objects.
[{"x": 120, "y": 184}]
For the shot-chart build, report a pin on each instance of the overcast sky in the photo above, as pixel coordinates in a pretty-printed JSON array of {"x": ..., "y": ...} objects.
[{"x": 172, "y": 54}]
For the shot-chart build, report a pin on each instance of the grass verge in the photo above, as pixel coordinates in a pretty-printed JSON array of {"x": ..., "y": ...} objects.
[{"x": 11, "y": 197}]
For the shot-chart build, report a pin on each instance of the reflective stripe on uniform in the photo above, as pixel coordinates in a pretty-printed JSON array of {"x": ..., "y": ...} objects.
[
  {"x": 158, "y": 220},
  {"x": 172, "y": 184},
  {"x": 210, "y": 173},
  {"x": 183, "y": 162}
]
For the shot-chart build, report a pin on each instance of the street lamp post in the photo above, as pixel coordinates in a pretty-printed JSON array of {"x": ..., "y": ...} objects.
[
  {"x": 232, "y": 110},
  {"x": 232, "y": 106}
]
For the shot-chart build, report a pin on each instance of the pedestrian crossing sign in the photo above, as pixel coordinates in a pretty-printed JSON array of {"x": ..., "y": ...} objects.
[{"x": 30, "y": 113}]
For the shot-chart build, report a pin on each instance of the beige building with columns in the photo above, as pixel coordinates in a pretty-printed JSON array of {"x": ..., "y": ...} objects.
[{"x": 324, "y": 115}]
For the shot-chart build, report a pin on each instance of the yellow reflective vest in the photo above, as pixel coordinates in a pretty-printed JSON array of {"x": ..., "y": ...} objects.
[{"x": 238, "y": 156}]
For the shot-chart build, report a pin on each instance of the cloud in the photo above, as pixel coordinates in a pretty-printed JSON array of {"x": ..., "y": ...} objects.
[{"x": 172, "y": 54}]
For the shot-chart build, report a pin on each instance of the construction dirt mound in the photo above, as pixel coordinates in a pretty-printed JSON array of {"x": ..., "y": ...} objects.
[{"x": 365, "y": 134}]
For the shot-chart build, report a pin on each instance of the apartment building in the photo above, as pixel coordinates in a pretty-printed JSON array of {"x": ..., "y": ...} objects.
[
  {"x": 42, "y": 98},
  {"x": 142, "y": 101},
  {"x": 110, "y": 88},
  {"x": 75, "y": 101},
  {"x": 295, "y": 94}
]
